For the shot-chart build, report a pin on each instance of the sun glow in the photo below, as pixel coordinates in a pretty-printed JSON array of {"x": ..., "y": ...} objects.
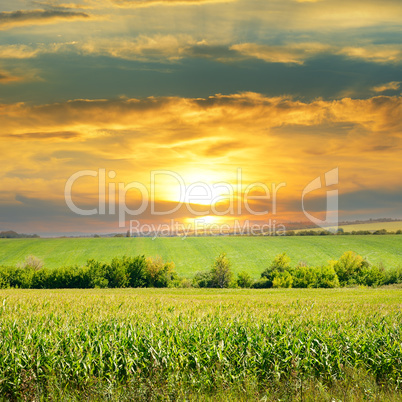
[
  {"x": 206, "y": 220},
  {"x": 196, "y": 189}
]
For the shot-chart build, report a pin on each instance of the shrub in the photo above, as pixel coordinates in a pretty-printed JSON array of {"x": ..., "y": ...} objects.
[
  {"x": 72, "y": 277},
  {"x": 282, "y": 280},
  {"x": 32, "y": 262},
  {"x": 220, "y": 276},
  {"x": 349, "y": 268},
  {"x": 304, "y": 277},
  {"x": 5, "y": 277},
  {"x": 280, "y": 263},
  {"x": 116, "y": 273},
  {"x": 4, "y": 282},
  {"x": 314, "y": 277},
  {"x": 393, "y": 275},
  {"x": 262, "y": 283},
  {"x": 21, "y": 275},
  {"x": 371, "y": 276},
  {"x": 185, "y": 283},
  {"x": 97, "y": 272},
  {"x": 120, "y": 273},
  {"x": 326, "y": 277},
  {"x": 221, "y": 272},
  {"x": 136, "y": 271},
  {"x": 17, "y": 277},
  {"x": 279, "y": 266},
  {"x": 244, "y": 280},
  {"x": 380, "y": 232},
  {"x": 202, "y": 279},
  {"x": 158, "y": 273}
]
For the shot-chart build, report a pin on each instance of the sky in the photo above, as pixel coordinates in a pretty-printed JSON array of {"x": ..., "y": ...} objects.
[{"x": 254, "y": 99}]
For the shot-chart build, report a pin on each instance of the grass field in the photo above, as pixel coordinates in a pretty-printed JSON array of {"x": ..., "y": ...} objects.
[
  {"x": 190, "y": 255},
  {"x": 192, "y": 344}
]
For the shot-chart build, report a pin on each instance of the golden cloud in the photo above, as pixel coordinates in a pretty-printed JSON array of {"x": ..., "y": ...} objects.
[
  {"x": 150, "y": 3},
  {"x": 118, "y": 114},
  {"x": 272, "y": 139},
  {"x": 297, "y": 53},
  {"x": 292, "y": 53},
  {"x": 143, "y": 47},
  {"x": 390, "y": 86},
  {"x": 338, "y": 14},
  {"x": 176, "y": 47},
  {"x": 172, "y": 48},
  {"x": 374, "y": 53},
  {"x": 19, "y": 51}
]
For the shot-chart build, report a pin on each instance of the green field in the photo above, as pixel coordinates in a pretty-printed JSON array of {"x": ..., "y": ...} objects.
[
  {"x": 193, "y": 344},
  {"x": 190, "y": 255}
]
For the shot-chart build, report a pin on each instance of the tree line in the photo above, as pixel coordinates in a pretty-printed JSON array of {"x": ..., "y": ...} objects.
[{"x": 136, "y": 272}]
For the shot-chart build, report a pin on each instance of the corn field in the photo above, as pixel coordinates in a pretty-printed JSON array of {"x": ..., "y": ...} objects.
[{"x": 131, "y": 342}]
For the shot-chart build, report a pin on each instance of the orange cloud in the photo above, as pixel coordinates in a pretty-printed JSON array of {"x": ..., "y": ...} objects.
[{"x": 271, "y": 139}]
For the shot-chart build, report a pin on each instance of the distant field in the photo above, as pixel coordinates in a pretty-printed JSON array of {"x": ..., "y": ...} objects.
[
  {"x": 190, "y": 255},
  {"x": 389, "y": 226}
]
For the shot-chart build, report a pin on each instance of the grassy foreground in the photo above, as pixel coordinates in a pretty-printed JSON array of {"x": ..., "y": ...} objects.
[
  {"x": 193, "y": 344},
  {"x": 190, "y": 255}
]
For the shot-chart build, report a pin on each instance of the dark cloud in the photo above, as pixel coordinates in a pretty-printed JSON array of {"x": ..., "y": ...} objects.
[
  {"x": 55, "y": 213},
  {"x": 62, "y": 135},
  {"x": 382, "y": 148},
  {"x": 219, "y": 53},
  {"x": 356, "y": 201},
  {"x": 33, "y": 17},
  {"x": 5, "y": 78},
  {"x": 71, "y": 76},
  {"x": 324, "y": 129},
  {"x": 371, "y": 199},
  {"x": 57, "y": 5}
]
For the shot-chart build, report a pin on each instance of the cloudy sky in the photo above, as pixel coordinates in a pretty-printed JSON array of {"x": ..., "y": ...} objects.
[{"x": 283, "y": 90}]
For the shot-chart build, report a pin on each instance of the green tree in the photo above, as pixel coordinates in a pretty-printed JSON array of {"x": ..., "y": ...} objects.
[
  {"x": 349, "y": 268},
  {"x": 282, "y": 280},
  {"x": 202, "y": 279},
  {"x": 244, "y": 280},
  {"x": 222, "y": 275},
  {"x": 158, "y": 273}
]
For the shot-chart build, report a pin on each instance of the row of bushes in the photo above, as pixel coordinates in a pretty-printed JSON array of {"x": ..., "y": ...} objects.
[
  {"x": 350, "y": 270},
  {"x": 339, "y": 232},
  {"x": 119, "y": 273}
]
